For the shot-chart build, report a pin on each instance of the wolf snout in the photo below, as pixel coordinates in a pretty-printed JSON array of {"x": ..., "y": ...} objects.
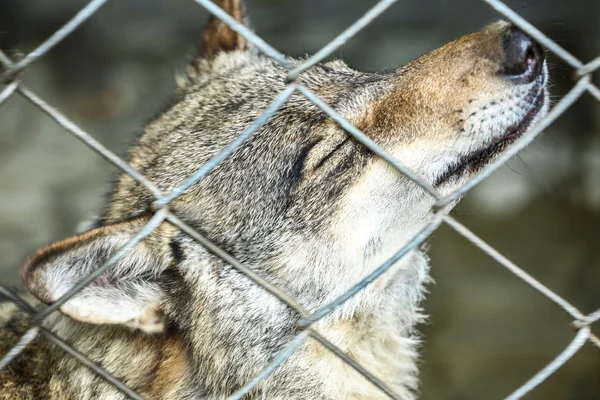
[{"x": 523, "y": 57}]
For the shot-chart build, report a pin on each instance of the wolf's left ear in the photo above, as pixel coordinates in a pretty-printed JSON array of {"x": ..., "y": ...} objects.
[
  {"x": 127, "y": 294},
  {"x": 218, "y": 36}
]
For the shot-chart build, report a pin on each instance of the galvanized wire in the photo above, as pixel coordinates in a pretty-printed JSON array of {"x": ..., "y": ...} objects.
[
  {"x": 559, "y": 361},
  {"x": 589, "y": 67},
  {"x": 21, "y": 345},
  {"x": 9, "y": 294},
  {"x": 227, "y": 151},
  {"x": 86, "y": 12},
  {"x": 588, "y": 319},
  {"x": 562, "y": 106},
  {"x": 87, "y": 139},
  {"x": 286, "y": 353},
  {"x": 216, "y": 250},
  {"x": 354, "y": 365},
  {"x": 579, "y": 318},
  {"x": 245, "y": 32},
  {"x": 336, "y": 43},
  {"x": 84, "y": 360},
  {"x": 8, "y": 91},
  {"x": 152, "y": 224},
  {"x": 367, "y": 142},
  {"x": 411, "y": 245},
  {"x": 582, "y": 71}
]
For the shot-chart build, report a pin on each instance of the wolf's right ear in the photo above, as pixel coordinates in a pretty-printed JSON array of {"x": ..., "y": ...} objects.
[
  {"x": 127, "y": 294},
  {"x": 218, "y": 36}
]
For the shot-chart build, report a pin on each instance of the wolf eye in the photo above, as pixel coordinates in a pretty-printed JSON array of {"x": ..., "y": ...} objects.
[
  {"x": 300, "y": 160},
  {"x": 330, "y": 153}
]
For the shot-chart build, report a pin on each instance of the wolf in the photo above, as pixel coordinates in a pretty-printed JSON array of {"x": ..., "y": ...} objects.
[{"x": 301, "y": 202}]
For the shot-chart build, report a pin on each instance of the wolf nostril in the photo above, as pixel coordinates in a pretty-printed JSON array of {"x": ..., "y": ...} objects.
[{"x": 523, "y": 57}]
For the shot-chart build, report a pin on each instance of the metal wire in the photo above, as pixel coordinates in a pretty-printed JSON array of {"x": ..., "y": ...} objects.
[
  {"x": 356, "y": 366},
  {"x": 273, "y": 365},
  {"x": 18, "y": 348},
  {"x": 411, "y": 245},
  {"x": 589, "y": 67},
  {"x": 582, "y": 71},
  {"x": 50, "y": 336},
  {"x": 551, "y": 368},
  {"x": 213, "y": 248},
  {"x": 8, "y": 91},
  {"x": 580, "y": 319},
  {"x": 588, "y": 319},
  {"x": 366, "y": 141},
  {"x": 154, "y": 222},
  {"x": 227, "y": 151},
  {"x": 339, "y": 41},
  {"x": 87, "y": 139},
  {"x": 562, "y": 106},
  {"x": 53, "y": 40},
  {"x": 101, "y": 372},
  {"x": 245, "y": 32}
]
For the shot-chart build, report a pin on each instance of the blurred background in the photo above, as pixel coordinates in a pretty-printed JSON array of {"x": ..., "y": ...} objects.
[{"x": 488, "y": 332}]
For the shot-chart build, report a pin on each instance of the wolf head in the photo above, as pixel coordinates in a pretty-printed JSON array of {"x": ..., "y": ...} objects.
[{"x": 301, "y": 202}]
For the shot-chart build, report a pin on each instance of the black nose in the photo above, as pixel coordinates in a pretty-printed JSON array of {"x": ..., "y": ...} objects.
[{"x": 523, "y": 57}]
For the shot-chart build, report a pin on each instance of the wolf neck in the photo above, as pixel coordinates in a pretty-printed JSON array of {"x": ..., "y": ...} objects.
[
  {"x": 377, "y": 330},
  {"x": 231, "y": 345},
  {"x": 153, "y": 366},
  {"x": 316, "y": 280}
]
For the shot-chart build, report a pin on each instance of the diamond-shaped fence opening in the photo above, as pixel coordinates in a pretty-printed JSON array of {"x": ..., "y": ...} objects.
[{"x": 12, "y": 85}]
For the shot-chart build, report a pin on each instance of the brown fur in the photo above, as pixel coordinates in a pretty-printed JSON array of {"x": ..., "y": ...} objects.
[
  {"x": 218, "y": 36},
  {"x": 169, "y": 378},
  {"x": 300, "y": 202}
]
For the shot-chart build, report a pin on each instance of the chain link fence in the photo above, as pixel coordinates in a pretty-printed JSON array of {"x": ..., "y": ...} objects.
[{"x": 582, "y": 75}]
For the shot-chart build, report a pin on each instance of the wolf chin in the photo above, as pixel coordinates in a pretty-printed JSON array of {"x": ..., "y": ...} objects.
[{"x": 300, "y": 202}]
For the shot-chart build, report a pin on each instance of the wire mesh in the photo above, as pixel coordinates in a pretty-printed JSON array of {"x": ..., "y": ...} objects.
[{"x": 581, "y": 322}]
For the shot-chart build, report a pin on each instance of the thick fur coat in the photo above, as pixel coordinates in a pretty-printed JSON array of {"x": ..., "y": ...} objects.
[{"x": 300, "y": 202}]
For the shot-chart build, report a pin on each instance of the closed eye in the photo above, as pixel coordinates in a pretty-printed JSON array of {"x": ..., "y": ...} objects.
[
  {"x": 301, "y": 160},
  {"x": 328, "y": 155}
]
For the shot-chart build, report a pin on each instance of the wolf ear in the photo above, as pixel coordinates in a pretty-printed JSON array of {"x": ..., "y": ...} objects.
[
  {"x": 218, "y": 36},
  {"x": 127, "y": 294}
]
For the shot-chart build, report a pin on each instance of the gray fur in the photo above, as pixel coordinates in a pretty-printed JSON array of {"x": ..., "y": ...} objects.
[{"x": 312, "y": 221}]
